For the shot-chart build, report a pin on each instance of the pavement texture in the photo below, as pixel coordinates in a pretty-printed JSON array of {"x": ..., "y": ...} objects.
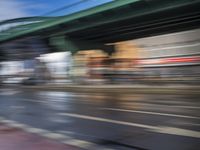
[
  {"x": 16, "y": 139},
  {"x": 124, "y": 88},
  {"x": 97, "y": 121}
]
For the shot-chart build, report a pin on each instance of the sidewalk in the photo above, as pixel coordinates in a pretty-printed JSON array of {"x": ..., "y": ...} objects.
[
  {"x": 122, "y": 88},
  {"x": 16, "y": 139}
]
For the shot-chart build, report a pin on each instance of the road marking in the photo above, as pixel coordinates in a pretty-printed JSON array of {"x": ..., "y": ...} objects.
[
  {"x": 62, "y": 138},
  {"x": 190, "y": 107},
  {"x": 84, "y": 144},
  {"x": 35, "y": 130},
  {"x": 31, "y": 100},
  {"x": 106, "y": 120},
  {"x": 56, "y": 136},
  {"x": 178, "y": 131},
  {"x": 9, "y": 91},
  {"x": 190, "y": 124},
  {"x": 160, "y": 105},
  {"x": 158, "y": 129},
  {"x": 185, "y": 123},
  {"x": 151, "y": 113}
]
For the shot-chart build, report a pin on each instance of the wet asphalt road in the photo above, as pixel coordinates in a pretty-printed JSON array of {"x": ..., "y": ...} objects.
[{"x": 119, "y": 121}]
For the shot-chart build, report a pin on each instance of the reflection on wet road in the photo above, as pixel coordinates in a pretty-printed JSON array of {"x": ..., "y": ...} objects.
[{"x": 120, "y": 121}]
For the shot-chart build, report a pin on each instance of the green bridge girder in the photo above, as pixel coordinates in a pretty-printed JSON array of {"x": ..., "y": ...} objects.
[
  {"x": 25, "y": 19},
  {"x": 56, "y": 21},
  {"x": 111, "y": 22}
]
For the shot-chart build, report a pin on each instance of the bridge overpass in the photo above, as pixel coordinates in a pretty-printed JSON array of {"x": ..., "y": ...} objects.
[{"x": 112, "y": 22}]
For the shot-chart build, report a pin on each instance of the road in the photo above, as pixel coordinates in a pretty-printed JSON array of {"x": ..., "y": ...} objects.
[{"x": 115, "y": 121}]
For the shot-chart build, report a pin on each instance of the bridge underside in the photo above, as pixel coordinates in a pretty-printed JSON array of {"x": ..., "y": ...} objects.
[
  {"x": 145, "y": 20},
  {"x": 138, "y": 19}
]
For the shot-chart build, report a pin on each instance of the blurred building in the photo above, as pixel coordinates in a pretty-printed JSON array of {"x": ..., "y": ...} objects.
[
  {"x": 89, "y": 65},
  {"x": 176, "y": 54}
]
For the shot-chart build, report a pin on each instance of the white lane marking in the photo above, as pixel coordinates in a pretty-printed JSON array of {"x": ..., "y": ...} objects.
[
  {"x": 84, "y": 144},
  {"x": 151, "y": 113},
  {"x": 65, "y": 132},
  {"x": 35, "y": 130},
  {"x": 107, "y": 120},
  {"x": 17, "y": 125},
  {"x": 178, "y": 131},
  {"x": 158, "y": 129},
  {"x": 8, "y": 92},
  {"x": 62, "y": 138},
  {"x": 161, "y": 105},
  {"x": 41, "y": 101},
  {"x": 191, "y": 124},
  {"x": 7, "y": 121},
  {"x": 31, "y": 100},
  {"x": 185, "y": 123},
  {"x": 163, "y": 102},
  {"x": 17, "y": 107},
  {"x": 56, "y": 136},
  {"x": 190, "y": 107}
]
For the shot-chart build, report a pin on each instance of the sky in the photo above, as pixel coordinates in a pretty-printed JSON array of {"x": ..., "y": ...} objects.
[{"x": 10, "y": 9}]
